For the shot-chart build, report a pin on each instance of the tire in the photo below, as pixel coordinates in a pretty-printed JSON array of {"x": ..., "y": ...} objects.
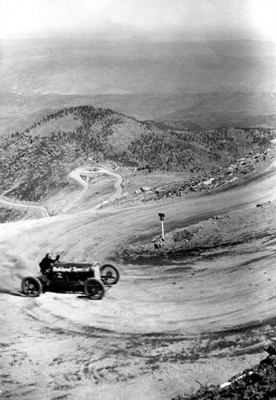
[
  {"x": 109, "y": 274},
  {"x": 31, "y": 286},
  {"x": 94, "y": 289}
]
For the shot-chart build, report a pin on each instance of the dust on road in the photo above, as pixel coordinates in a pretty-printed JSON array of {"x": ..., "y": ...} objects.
[{"x": 155, "y": 334}]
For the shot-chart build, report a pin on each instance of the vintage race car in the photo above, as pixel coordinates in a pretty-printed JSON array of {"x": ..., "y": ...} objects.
[{"x": 92, "y": 279}]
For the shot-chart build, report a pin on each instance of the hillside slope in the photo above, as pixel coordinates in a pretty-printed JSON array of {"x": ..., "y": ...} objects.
[
  {"x": 184, "y": 111},
  {"x": 38, "y": 160}
]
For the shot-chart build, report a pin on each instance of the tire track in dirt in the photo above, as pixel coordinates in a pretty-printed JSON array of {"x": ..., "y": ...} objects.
[
  {"x": 102, "y": 236},
  {"x": 159, "y": 325}
]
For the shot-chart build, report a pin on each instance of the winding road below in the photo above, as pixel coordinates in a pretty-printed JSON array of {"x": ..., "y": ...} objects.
[
  {"x": 100, "y": 234},
  {"x": 156, "y": 312},
  {"x": 43, "y": 210},
  {"x": 76, "y": 175},
  {"x": 86, "y": 171}
]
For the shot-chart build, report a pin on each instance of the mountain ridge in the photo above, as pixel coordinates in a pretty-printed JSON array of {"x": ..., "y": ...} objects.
[
  {"x": 209, "y": 111},
  {"x": 38, "y": 160}
]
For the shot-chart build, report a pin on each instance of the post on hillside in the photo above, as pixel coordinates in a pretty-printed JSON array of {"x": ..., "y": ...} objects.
[{"x": 162, "y": 217}]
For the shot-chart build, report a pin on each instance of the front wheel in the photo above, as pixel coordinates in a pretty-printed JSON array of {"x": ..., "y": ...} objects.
[
  {"x": 31, "y": 286},
  {"x": 109, "y": 274},
  {"x": 94, "y": 289}
]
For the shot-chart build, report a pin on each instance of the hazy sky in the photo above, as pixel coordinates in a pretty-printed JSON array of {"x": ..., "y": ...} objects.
[{"x": 152, "y": 19}]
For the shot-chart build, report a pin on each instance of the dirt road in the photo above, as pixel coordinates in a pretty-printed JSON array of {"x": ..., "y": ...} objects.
[
  {"x": 79, "y": 175},
  {"x": 42, "y": 210},
  {"x": 156, "y": 333},
  {"x": 82, "y": 173}
]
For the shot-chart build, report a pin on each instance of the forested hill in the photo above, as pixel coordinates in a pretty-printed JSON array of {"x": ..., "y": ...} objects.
[{"x": 38, "y": 159}]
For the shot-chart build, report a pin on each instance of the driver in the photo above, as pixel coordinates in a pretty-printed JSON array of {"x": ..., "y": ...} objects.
[{"x": 46, "y": 265}]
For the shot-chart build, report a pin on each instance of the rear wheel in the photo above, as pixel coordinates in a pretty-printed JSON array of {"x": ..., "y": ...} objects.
[
  {"x": 31, "y": 286},
  {"x": 94, "y": 289},
  {"x": 109, "y": 274}
]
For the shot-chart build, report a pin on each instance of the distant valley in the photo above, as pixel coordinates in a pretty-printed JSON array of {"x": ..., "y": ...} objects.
[
  {"x": 186, "y": 85},
  {"x": 82, "y": 66},
  {"x": 176, "y": 106}
]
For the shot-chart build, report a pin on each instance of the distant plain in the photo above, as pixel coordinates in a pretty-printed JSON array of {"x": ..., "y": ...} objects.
[{"x": 202, "y": 85}]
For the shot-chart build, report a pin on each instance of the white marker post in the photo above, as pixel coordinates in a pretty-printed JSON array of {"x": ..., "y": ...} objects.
[{"x": 162, "y": 216}]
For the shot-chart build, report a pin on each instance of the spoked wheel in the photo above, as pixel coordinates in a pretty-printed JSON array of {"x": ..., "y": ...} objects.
[
  {"x": 109, "y": 274},
  {"x": 94, "y": 289},
  {"x": 31, "y": 286}
]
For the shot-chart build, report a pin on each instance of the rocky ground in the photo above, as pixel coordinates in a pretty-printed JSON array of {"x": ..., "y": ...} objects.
[
  {"x": 217, "y": 179},
  {"x": 258, "y": 382}
]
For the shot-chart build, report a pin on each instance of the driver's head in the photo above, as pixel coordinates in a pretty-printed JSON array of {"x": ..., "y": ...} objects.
[{"x": 49, "y": 255}]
